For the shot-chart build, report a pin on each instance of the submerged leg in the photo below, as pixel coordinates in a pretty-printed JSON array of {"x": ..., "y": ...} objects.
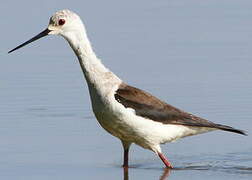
[
  {"x": 126, "y": 146},
  {"x": 165, "y": 160}
]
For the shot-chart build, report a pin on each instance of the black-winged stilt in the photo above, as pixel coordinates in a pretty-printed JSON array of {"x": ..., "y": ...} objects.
[{"x": 132, "y": 115}]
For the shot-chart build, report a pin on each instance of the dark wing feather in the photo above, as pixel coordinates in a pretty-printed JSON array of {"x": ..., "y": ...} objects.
[{"x": 152, "y": 108}]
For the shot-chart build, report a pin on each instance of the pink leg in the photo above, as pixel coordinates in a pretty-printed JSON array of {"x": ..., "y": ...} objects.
[
  {"x": 165, "y": 160},
  {"x": 126, "y": 158}
]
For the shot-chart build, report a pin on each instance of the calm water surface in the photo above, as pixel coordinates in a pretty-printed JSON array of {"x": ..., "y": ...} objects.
[{"x": 195, "y": 55}]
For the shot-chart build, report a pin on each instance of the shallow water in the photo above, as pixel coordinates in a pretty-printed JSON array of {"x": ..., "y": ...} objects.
[{"x": 194, "y": 55}]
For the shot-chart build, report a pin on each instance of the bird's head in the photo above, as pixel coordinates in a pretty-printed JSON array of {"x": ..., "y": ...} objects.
[{"x": 63, "y": 22}]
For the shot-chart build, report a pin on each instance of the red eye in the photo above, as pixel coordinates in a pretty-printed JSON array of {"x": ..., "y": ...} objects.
[{"x": 61, "y": 22}]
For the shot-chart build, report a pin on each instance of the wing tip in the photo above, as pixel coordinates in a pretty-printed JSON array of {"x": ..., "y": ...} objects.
[
  {"x": 240, "y": 132},
  {"x": 231, "y": 129}
]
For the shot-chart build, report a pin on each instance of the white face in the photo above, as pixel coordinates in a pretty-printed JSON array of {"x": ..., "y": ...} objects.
[
  {"x": 61, "y": 23},
  {"x": 57, "y": 27}
]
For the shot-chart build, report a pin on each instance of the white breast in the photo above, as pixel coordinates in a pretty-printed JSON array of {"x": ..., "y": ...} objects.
[{"x": 126, "y": 125}]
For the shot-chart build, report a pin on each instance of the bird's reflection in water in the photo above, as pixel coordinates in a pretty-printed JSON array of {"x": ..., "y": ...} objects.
[
  {"x": 164, "y": 176},
  {"x": 125, "y": 173}
]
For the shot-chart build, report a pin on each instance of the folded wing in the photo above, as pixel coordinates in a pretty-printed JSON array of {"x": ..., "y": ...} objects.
[{"x": 152, "y": 108}]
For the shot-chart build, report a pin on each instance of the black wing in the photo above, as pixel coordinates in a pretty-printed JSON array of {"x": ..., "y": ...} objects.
[{"x": 152, "y": 108}]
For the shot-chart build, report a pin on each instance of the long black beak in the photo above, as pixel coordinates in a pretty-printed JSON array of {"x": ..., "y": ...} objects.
[{"x": 40, "y": 35}]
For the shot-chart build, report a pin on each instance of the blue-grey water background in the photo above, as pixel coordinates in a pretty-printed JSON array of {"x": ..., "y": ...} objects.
[{"x": 196, "y": 55}]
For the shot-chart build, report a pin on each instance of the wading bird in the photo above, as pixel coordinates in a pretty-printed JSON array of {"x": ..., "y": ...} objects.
[{"x": 126, "y": 112}]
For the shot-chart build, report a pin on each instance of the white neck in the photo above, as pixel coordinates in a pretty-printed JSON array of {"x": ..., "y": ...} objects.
[{"x": 97, "y": 75}]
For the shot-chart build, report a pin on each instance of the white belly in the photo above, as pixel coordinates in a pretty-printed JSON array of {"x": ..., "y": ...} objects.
[{"x": 124, "y": 124}]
